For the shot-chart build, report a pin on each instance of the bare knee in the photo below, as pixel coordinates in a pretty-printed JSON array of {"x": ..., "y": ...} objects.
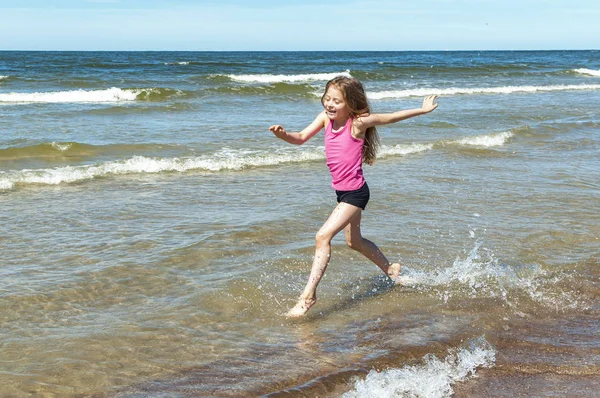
[{"x": 322, "y": 239}]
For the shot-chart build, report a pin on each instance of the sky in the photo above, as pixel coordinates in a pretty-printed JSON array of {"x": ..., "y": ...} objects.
[{"x": 299, "y": 25}]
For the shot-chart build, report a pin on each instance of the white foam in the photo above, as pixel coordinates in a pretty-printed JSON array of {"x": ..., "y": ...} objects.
[
  {"x": 113, "y": 94},
  {"x": 3, "y": 77},
  {"x": 267, "y": 78},
  {"x": 5, "y": 184},
  {"x": 402, "y": 149},
  {"x": 486, "y": 140},
  {"x": 178, "y": 63},
  {"x": 421, "y": 92},
  {"x": 590, "y": 72},
  {"x": 224, "y": 159},
  {"x": 433, "y": 379}
]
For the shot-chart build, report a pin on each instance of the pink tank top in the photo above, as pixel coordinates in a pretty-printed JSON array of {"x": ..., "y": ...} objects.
[{"x": 344, "y": 157}]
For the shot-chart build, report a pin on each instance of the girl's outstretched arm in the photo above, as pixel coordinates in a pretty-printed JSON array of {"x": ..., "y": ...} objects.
[
  {"x": 377, "y": 119},
  {"x": 304, "y": 135}
]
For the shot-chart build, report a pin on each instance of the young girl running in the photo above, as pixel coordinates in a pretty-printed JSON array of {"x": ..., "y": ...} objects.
[{"x": 350, "y": 140}]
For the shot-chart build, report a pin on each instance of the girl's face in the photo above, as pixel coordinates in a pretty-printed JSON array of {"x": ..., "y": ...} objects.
[{"x": 335, "y": 105}]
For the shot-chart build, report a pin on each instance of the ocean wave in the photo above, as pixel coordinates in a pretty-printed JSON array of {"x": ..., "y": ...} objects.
[
  {"x": 3, "y": 78},
  {"x": 208, "y": 62},
  {"x": 402, "y": 149},
  {"x": 61, "y": 150},
  {"x": 178, "y": 63},
  {"x": 269, "y": 78},
  {"x": 113, "y": 94},
  {"x": 420, "y": 92},
  {"x": 488, "y": 140},
  {"x": 433, "y": 379},
  {"x": 226, "y": 159},
  {"x": 485, "y": 140},
  {"x": 222, "y": 160},
  {"x": 590, "y": 72},
  {"x": 61, "y": 147},
  {"x": 281, "y": 88},
  {"x": 44, "y": 150},
  {"x": 470, "y": 69}
]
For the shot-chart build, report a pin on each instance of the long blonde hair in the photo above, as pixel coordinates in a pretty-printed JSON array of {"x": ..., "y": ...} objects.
[{"x": 358, "y": 105}]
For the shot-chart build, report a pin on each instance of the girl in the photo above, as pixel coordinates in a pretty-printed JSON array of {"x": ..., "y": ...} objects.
[{"x": 350, "y": 140}]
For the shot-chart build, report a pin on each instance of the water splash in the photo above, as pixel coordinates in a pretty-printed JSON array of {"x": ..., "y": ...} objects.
[{"x": 481, "y": 275}]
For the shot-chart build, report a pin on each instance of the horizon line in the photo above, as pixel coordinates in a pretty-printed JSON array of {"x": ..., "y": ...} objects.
[{"x": 339, "y": 51}]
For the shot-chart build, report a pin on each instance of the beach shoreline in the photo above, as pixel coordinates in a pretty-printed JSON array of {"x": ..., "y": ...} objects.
[{"x": 154, "y": 232}]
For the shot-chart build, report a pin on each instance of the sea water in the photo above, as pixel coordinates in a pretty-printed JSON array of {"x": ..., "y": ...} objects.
[{"x": 153, "y": 231}]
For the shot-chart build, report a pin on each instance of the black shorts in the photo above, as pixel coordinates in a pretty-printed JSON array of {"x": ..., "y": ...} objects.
[{"x": 358, "y": 198}]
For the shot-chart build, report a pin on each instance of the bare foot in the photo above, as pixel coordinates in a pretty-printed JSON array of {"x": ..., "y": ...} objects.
[
  {"x": 301, "y": 307},
  {"x": 394, "y": 271},
  {"x": 402, "y": 280}
]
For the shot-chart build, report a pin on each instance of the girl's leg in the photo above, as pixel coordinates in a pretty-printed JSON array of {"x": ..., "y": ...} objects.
[
  {"x": 369, "y": 249},
  {"x": 338, "y": 219}
]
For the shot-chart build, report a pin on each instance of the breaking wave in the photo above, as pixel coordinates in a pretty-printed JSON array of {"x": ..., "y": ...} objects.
[
  {"x": 269, "y": 78},
  {"x": 432, "y": 379},
  {"x": 226, "y": 159},
  {"x": 490, "y": 140},
  {"x": 420, "y": 92},
  {"x": 590, "y": 72},
  {"x": 113, "y": 94}
]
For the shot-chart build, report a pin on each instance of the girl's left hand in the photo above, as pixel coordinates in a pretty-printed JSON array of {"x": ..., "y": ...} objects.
[
  {"x": 429, "y": 104},
  {"x": 278, "y": 130}
]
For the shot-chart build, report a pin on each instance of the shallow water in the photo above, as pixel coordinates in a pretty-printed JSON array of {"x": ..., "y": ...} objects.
[{"x": 153, "y": 234}]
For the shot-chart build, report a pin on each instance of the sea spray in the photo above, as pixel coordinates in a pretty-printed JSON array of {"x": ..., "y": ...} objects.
[{"x": 481, "y": 275}]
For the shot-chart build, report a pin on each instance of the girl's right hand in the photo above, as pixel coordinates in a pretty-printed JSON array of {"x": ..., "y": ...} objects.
[{"x": 278, "y": 130}]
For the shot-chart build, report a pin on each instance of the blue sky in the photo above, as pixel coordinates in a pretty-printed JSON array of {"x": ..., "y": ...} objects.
[{"x": 299, "y": 25}]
